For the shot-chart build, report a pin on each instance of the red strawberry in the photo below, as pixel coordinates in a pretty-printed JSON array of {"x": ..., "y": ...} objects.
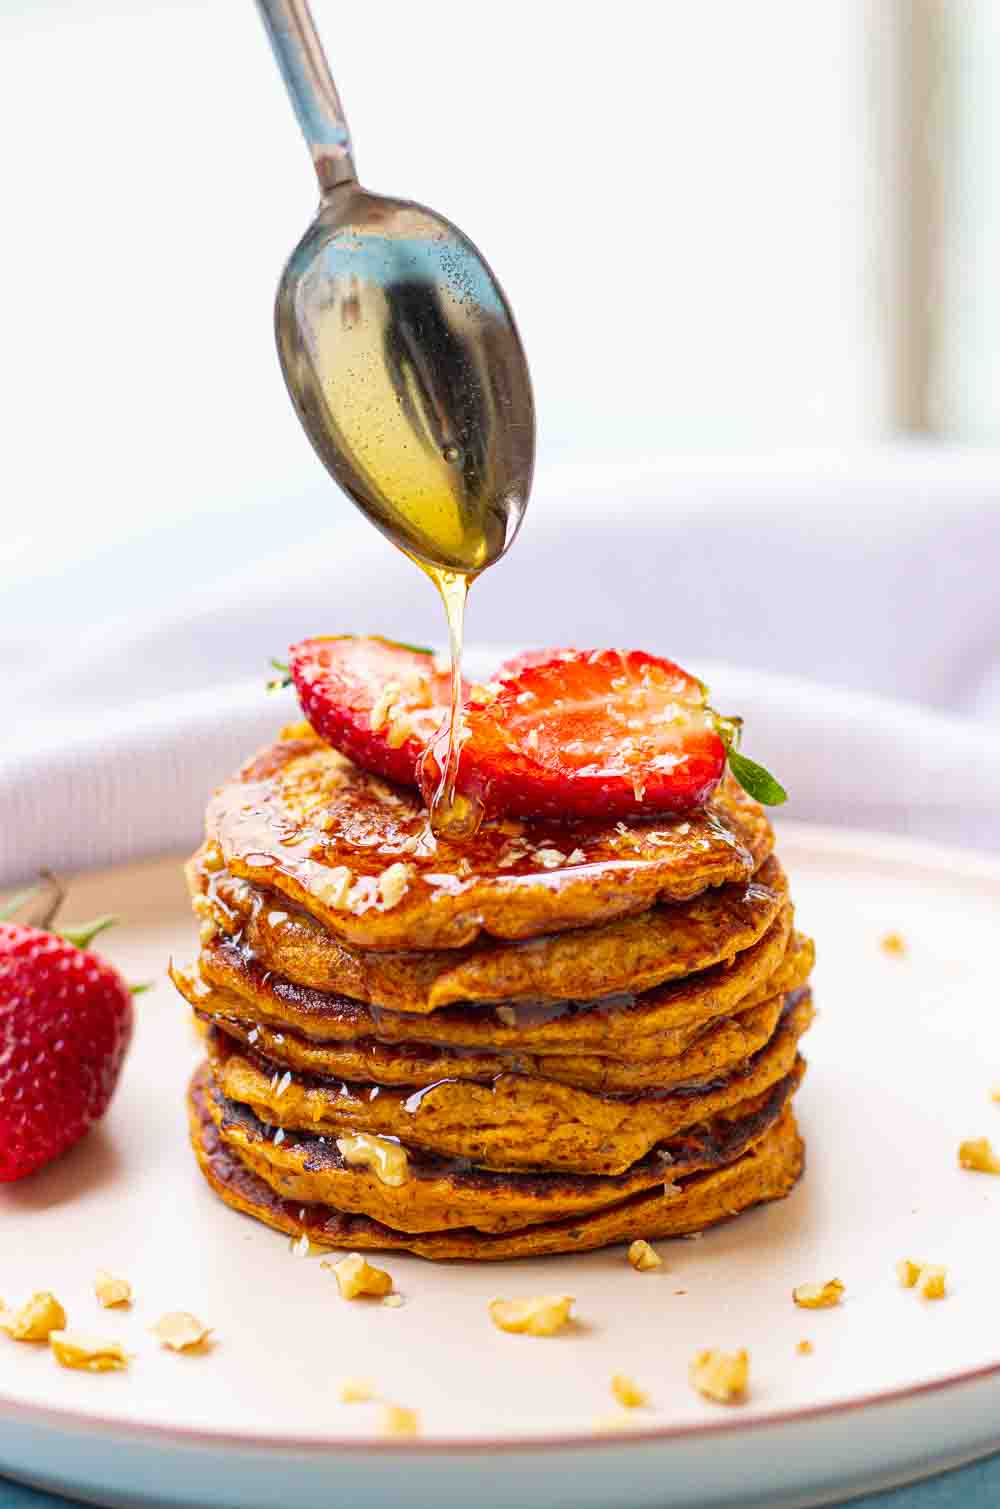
[
  {"x": 601, "y": 734},
  {"x": 376, "y": 701},
  {"x": 65, "y": 1026}
]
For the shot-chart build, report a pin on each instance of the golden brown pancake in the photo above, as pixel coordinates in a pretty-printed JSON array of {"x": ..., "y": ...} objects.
[
  {"x": 628, "y": 954},
  {"x": 767, "y": 1171},
  {"x": 517, "y": 1121},
  {"x": 290, "y": 1024},
  {"x": 302, "y": 820},
  {"x": 442, "y": 1194}
]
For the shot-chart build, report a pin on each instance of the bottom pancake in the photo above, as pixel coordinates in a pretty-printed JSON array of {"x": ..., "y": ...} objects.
[
  {"x": 767, "y": 1171},
  {"x": 431, "y": 1193}
]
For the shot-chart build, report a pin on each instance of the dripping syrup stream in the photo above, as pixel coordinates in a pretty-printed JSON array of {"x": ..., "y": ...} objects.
[{"x": 453, "y": 816}]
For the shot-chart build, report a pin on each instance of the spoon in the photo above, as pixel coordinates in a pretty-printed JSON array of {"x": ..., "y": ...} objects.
[{"x": 398, "y": 347}]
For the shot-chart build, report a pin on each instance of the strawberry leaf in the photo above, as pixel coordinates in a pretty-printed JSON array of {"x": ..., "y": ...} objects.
[{"x": 756, "y": 781}]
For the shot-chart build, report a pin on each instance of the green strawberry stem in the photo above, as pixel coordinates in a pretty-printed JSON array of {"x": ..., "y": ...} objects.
[
  {"x": 755, "y": 780},
  {"x": 37, "y": 906},
  {"x": 84, "y": 935}
]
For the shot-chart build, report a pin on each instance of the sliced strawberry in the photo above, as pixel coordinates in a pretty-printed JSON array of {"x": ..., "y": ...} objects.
[
  {"x": 591, "y": 734},
  {"x": 376, "y": 701}
]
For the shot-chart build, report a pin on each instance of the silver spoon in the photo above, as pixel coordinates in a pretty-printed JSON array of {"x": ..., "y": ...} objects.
[{"x": 398, "y": 347}]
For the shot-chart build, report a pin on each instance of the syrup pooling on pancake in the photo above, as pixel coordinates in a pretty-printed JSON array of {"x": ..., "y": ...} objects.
[{"x": 359, "y": 856}]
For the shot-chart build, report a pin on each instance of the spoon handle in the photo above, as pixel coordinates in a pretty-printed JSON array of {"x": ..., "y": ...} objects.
[{"x": 299, "y": 52}]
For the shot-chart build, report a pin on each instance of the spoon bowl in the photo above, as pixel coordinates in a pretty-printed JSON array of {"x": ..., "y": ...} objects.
[{"x": 401, "y": 356}]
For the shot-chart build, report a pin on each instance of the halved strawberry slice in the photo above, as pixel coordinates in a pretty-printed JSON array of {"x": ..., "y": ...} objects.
[
  {"x": 376, "y": 701},
  {"x": 591, "y": 734}
]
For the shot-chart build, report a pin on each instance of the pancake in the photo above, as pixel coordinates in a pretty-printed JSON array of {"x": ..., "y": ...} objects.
[
  {"x": 767, "y": 1171},
  {"x": 628, "y": 954},
  {"x": 442, "y": 1194},
  {"x": 358, "y": 855},
  {"x": 718, "y": 1051},
  {"x": 291, "y": 1025},
  {"x": 517, "y": 1121}
]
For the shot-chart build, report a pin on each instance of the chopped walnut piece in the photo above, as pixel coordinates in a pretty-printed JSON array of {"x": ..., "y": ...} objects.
[
  {"x": 819, "y": 1296},
  {"x": 180, "y": 1331},
  {"x": 507, "y": 1015},
  {"x": 643, "y": 1257},
  {"x": 931, "y": 1282},
  {"x": 550, "y": 859},
  {"x": 907, "y": 1271},
  {"x": 393, "y": 884},
  {"x": 112, "y": 1291},
  {"x": 627, "y": 1392},
  {"x": 88, "y": 1354},
  {"x": 355, "y": 1277},
  {"x": 804, "y": 1348},
  {"x": 894, "y": 944},
  {"x": 36, "y": 1320},
  {"x": 978, "y": 1156},
  {"x": 356, "y": 1391},
  {"x": 397, "y": 1421},
  {"x": 721, "y": 1376},
  {"x": 543, "y": 1315},
  {"x": 333, "y": 887},
  {"x": 387, "y": 1160}
]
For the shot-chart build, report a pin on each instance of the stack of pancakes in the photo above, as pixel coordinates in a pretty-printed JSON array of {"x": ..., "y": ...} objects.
[{"x": 547, "y": 1039}]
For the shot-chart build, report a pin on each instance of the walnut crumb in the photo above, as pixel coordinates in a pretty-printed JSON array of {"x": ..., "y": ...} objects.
[
  {"x": 804, "y": 1348},
  {"x": 550, "y": 859},
  {"x": 543, "y": 1315},
  {"x": 507, "y": 1015},
  {"x": 393, "y": 885},
  {"x": 721, "y": 1376},
  {"x": 819, "y": 1296},
  {"x": 387, "y": 1160},
  {"x": 36, "y": 1320},
  {"x": 87, "y": 1354},
  {"x": 907, "y": 1271},
  {"x": 978, "y": 1156},
  {"x": 112, "y": 1291},
  {"x": 894, "y": 944},
  {"x": 355, "y": 1278},
  {"x": 397, "y": 1421},
  {"x": 333, "y": 887},
  {"x": 356, "y": 1391},
  {"x": 931, "y": 1282},
  {"x": 643, "y": 1257},
  {"x": 180, "y": 1331},
  {"x": 627, "y": 1392}
]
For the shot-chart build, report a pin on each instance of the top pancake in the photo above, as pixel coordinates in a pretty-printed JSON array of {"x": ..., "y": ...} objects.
[{"x": 359, "y": 856}]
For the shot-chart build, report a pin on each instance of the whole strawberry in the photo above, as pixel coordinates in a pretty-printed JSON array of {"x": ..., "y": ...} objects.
[{"x": 65, "y": 1026}]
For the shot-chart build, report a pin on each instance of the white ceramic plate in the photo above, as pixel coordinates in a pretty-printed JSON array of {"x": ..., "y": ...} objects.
[{"x": 903, "y": 1057}]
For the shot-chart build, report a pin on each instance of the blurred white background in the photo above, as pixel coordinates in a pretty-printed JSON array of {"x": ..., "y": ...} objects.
[{"x": 788, "y": 464}]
